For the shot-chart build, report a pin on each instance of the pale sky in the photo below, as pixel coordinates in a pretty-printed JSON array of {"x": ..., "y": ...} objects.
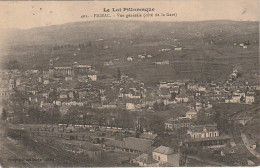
[{"x": 29, "y": 14}]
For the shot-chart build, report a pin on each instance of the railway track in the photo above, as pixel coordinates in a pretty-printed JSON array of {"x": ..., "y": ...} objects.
[
  {"x": 8, "y": 156},
  {"x": 21, "y": 162},
  {"x": 60, "y": 155}
]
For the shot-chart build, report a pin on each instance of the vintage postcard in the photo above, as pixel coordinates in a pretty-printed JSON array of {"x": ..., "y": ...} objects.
[{"x": 129, "y": 83}]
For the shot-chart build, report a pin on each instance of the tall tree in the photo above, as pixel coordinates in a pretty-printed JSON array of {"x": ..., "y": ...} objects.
[
  {"x": 4, "y": 114},
  {"x": 173, "y": 95},
  {"x": 118, "y": 74}
]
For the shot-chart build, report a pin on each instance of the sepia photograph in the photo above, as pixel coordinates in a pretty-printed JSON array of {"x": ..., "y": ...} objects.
[{"x": 129, "y": 83}]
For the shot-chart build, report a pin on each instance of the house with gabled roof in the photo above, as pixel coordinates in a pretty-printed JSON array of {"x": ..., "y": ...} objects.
[
  {"x": 250, "y": 99},
  {"x": 166, "y": 156},
  {"x": 132, "y": 145},
  {"x": 137, "y": 145},
  {"x": 149, "y": 136},
  {"x": 191, "y": 114}
]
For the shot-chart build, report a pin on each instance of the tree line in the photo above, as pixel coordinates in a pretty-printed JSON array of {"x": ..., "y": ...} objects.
[{"x": 58, "y": 47}]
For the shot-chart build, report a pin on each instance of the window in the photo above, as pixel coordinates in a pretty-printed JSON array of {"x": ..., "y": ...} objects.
[
  {"x": 210, "y": 135},
  {"x": 159, "y": 158},
  {"x": 194, "y": 136},
  {"x": 215, "y": 134}
]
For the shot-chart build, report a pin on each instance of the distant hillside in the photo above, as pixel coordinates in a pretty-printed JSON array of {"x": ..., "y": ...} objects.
[
  {"x": 208, "y": 47},
  {"x": 92, "y": 30}
]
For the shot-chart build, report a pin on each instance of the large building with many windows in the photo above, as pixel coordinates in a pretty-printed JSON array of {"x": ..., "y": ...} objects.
[
  {"x": 171, "y": 124},
  {"x": 74, "y": 69},
  {"x": 203, "y": 131},
  {"x": 206, "y": 136}
]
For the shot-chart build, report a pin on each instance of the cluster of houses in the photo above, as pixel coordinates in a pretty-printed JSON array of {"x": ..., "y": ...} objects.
[
  {"x": 148, "y": 154},
  {"x": 243, "y": 45},
  {"x": 147, "y": 56},
  {"x": 78, "y": 85},
  {"x": 128, "y": 59},
  {"x": 160, "y": 157},
  {"x": 241, "y": 97},
  {"x": 243, "y": 93},
  {"x": 140, "y": 56},
  {"x": 199, "y": 135}
]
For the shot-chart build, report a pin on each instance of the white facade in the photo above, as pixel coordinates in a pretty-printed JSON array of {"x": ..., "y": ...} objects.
[
  {"x": 191, "y": 114},
  {"x": 160, "y": 157},
  {"x": 109, "y": 106},
  {"x": 63, "y": 96},
  {"x": 129, "y": 59},
  {"x": 72, "y": 103},
  {"x": 166, "y": 102},
  {"x": 202, "y": 89},
  {"x": 68, "y": 78},
  {"x": 164, "y": 85},
  {"x": 130, "y": 106},
  {"x": 166, "y": 156},
  {"x": 182, "y": 99},
  {"x": 241, "y": 94},
  {"x": 93, "y": 77},
  {"x": 234, "y": 99},
  {"x": 203, "y": 132},
  {"x": 178, "y": 49},
  {"x": 58, "y": 103},
  {"x": 250, "y": 99},
  {"x": 195, "y": 135}
]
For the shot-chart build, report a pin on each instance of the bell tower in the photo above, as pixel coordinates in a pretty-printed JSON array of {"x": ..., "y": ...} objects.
[
  {"x": 51, "y": 67},
  {"x": 51, "y": 62}
]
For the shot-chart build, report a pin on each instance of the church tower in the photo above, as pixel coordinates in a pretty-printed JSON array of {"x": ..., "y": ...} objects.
[
  {"x": 51, "y": 67},
  {"x": 11, "y": 84},
  {"x": 51, "y": 62}
]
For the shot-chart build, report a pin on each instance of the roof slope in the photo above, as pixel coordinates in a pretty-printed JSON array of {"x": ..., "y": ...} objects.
[
  {"x": 148, "y": 136},
  {"x": 164, "y": 150},
  {"x": 138, "y": 144}
]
